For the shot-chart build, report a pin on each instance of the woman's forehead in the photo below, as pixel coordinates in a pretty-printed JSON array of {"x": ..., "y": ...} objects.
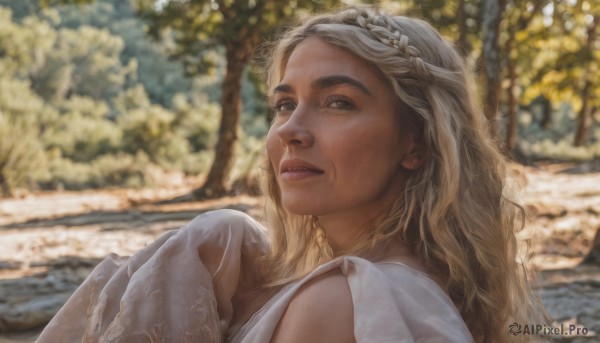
[{"x": 318, "y": 62}]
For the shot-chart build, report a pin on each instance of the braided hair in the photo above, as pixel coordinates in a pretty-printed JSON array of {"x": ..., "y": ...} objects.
[{"x": 381, "y": 26}]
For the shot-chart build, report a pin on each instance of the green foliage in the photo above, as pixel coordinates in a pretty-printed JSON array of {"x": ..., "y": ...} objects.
[
  {"x": 458, "y": 20},
  {"x": 48, "y": 3},
  {"x": 197, "y": 163},
  {"x": 197, "y": 27},
  {"x": 20, "y": 153},
  {"x": 248, "y": 167},
  {"x": 93, "y": 55},
  {"x": 120, "y": 170},
  {"x": 555, "y": 142},
  {"x": 132, "y": 98},
  {"x": 20, "y": 149},
  {"x": 237, "y": 26},
  {"x": 197, "y": 121},
  {"x": 21, "y": 8},
  {"x": 23, "y": 47},
  {"x": 168, "y": 137},
  {"x": 559, "y": 151},
  {"x": 255, "y": 111},
  {"x": 161, "y": 77},
  {"x": 81, "y": 131},
  {"x": 562, "y": 58},
  {"x": 152, "y": 131},
  {"x": 88, "y": 100}
]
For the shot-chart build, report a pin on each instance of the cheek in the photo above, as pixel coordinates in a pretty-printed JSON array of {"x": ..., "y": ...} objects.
[
  {"x": 274, "y": 149},
  {"x": 369, "y": 142},
  {"x": 368, "y": 155}
]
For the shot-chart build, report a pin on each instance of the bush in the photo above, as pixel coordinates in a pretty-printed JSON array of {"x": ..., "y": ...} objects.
[
  {"x": 20, "y": 153},
  {"x": 118, "y": 170},
  {"x": 562, "y": 150},
  {"x": 121, "y": 170},
  {"x": 82, "y": 132},
  {"x": 198, "y": 121},
  {"x": 152, "y": 131},
  {"x": 556, "y": 142},
  {"x": 198, "y": 163},
  {"x": 21, "y": 113},
  {"x": 247, "y": 171}
]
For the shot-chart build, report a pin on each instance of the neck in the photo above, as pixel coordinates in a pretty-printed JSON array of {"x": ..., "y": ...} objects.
[{"x": 343, "y": 231}]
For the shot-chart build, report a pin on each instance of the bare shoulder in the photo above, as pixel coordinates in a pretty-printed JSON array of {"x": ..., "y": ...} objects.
[{"x": 321, "y": 311}]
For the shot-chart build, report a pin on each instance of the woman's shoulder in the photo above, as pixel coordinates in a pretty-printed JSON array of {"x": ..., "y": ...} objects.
[
  {"x": 374, "y": 302},
  {"x": 320, "y": 311}
]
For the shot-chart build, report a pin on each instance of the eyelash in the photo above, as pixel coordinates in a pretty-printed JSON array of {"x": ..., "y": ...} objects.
[
  {"x": 278, "y": 107},
  {"x": 346, "y": 104}
]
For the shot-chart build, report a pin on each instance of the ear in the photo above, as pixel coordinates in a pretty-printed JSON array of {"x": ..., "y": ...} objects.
[{"x": 416, "y": 155}]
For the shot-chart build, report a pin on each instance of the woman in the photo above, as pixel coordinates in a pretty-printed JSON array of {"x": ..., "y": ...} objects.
[{"x": 385, "y": 200}]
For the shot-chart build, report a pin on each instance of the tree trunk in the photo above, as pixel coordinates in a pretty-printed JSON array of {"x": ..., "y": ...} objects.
[
  {"x": 464, "y": 47},
  {"x": 491, "y": 54},
  {"x": 584, "y": 116},
  {"x": 585, "y": 112},
  {"x": 4, "y": 188},
  {"x": 511, "y": 130},
  {"x": 513, "y": 87},
  {"x": 546, "y": 114},
  {"x": 216, "y": 181}
]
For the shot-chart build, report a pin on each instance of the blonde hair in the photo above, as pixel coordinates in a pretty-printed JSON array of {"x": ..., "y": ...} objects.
[{"x": 455, "y": 210}]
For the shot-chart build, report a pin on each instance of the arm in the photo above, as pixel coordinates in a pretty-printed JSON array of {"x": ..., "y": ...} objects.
[{"x": 321, "y": 312}]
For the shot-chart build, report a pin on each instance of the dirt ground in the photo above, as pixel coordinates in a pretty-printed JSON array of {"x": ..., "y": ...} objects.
[{"x": 49, "y": 242}]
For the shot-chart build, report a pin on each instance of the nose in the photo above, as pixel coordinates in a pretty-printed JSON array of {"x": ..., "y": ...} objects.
[{"x": 295, "y": 132}]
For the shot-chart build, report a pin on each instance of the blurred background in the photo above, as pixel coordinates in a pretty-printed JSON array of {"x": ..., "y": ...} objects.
[{"x": 120, "y": 119}]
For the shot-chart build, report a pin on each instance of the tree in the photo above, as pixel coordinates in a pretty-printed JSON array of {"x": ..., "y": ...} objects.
[
  {"x": 516, "y": 55},
  {"x": 71, "y": 86},
  {"x": 585, "y": 113},
  {"x": 492, "y": 15},
  {"x": 161, "y": 77},
  {"x": 567, "y": 67},
  {"x": 238, "y": 27},
  {"x": 457, "y": 20}
]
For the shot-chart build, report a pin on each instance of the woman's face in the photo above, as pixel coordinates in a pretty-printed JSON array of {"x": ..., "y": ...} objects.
[{"x": 337, "y": 145}]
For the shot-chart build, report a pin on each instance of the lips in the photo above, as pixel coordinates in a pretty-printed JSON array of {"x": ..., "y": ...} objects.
[{"x": 296, "y": 169}]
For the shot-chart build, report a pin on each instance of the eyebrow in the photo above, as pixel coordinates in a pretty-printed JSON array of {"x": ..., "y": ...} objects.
[{"x": 326, "y": 82}]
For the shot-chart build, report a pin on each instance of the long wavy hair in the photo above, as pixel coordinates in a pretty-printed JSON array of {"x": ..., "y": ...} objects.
[{"x": 456, "y": 210}]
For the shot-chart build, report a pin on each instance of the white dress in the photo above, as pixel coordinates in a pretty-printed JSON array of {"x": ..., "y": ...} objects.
[{"x": 182, "y": 288}]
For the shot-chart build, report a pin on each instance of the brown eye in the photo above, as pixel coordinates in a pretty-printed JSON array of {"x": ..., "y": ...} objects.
[
  {"x": 284, "y": 106},
  {"x": 339, "y": 103}
]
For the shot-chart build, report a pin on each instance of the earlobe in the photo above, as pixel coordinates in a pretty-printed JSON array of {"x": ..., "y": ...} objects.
[{"x": 412, "y": 161}]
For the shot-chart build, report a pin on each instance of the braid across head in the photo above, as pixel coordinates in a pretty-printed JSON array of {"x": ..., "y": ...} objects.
[{"x": 381, "y": 27}]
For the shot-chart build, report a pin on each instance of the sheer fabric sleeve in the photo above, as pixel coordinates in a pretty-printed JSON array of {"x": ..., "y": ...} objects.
[
  {"x": 392, "y": 303},
  {"x": 395, "y": 303},
  {"x": 177, "y": 289}
]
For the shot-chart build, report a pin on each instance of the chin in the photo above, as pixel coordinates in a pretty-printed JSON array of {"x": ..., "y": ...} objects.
[{"x": 303, "y": 207}]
